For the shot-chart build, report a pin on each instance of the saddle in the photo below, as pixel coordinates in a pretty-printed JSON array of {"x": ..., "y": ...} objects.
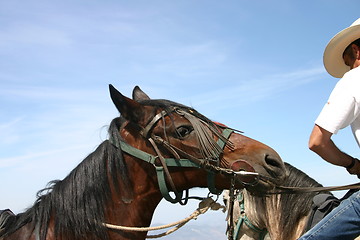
[
  {"x": 322, "y": 205},
  {"x": 7, "y": 218}
]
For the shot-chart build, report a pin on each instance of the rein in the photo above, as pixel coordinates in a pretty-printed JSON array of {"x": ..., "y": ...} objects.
[
  {"x": 294, "y": 190},
  {"x": 283, "y": 189}
]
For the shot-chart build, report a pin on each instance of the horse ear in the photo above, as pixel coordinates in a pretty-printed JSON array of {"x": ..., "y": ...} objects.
[
  {"x": 128, "y": 108},
  {"x": 139, "y": 95}
]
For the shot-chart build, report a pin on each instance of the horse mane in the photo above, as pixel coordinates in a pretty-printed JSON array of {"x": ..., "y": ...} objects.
[
  {"x": 292, "y": 213},
  {"x": 76, "y": 203}
]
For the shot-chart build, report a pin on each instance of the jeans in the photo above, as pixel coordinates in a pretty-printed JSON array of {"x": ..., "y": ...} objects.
[{"x": 341, "y": 223}]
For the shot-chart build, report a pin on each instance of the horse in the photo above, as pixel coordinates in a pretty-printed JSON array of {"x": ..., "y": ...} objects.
[
  {"x": 284, "y": 216},
  {"x": 275, "y": 216},
  {"x": 155, "y": 149}
]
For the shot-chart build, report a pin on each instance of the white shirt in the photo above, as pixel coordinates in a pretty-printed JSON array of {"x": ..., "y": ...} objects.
[{"x": 343, "y": 106}]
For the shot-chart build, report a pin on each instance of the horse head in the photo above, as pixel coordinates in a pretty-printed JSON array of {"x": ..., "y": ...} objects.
[{"x": 169, "y": 130}]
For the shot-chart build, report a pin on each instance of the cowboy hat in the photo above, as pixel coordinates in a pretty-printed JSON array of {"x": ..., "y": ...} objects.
[{"x": 333, "y": 54}]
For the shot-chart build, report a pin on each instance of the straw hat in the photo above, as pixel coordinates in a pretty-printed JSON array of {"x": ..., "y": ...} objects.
[{"x": 333, "y": 60}]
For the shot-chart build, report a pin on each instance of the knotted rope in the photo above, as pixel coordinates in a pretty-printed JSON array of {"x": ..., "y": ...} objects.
[{"x": 204, "y": 206}]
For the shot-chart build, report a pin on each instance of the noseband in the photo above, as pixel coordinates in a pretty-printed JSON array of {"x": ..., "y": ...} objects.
[{"x": 191, "y": 161}]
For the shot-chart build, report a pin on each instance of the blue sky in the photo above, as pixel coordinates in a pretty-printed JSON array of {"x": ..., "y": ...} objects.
[{"x": 253, "y": 65}]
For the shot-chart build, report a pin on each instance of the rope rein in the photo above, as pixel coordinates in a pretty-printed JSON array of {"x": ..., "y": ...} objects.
[{"x": 204, "y": 206}]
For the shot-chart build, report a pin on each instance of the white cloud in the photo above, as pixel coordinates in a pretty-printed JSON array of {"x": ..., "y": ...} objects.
[
  {"x": 247, "y": 91},
  {"x": 19, "y": 160},
  {"x": 47, "y": 93},
  {"x": 29, "y": 34},
  {"x": 7, "y": 136}
]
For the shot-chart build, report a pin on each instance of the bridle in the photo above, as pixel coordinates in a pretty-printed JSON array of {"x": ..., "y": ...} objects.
[
  {"x": 162, "y": 171},
  {"x": 243, "y": 219}
]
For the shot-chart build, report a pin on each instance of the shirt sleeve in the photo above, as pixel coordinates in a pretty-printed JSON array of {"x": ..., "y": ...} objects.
[{"x": 339, "y": 111}]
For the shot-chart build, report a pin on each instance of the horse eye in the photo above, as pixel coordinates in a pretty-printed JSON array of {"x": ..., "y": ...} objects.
[{"x": 183, "y": 131}]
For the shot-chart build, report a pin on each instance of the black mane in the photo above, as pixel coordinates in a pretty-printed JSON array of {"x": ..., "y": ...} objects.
[{"x": 77, "y": 202}]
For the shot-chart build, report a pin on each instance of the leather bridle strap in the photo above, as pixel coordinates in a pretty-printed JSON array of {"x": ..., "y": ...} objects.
[
  {"x": 145, "y": 131},
  {"x": 199, "y": 162},
  {"x": 283, "y": 189},
  {"x": 147, "y": 157},
  {"x": 169, "y": 162},
  {"x": 243, "y": 219},
  {"x": 211, "y": 175},
  {"x": 162, "y": 182}
]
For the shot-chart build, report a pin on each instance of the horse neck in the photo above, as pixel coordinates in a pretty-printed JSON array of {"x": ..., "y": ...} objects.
[
  {"x": 260, "y": 212},
  {"x": 272, "y": 217},
  {"x": 255, "y": 210},
  {"x": 273, "y": 223},
  {"x": 24, "y": 233},
  {"x": 134, "y": 203},
  {"x": 137, "y": 213}
]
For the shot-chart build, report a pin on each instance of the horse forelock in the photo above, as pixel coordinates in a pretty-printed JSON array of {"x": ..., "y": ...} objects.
[
  {"x": 76, "y": 204},
  {"x": 204, "y": 128}
]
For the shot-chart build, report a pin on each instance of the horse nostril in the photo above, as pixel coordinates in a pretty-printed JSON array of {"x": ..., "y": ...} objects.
[
  {"x": 273, "y": 161},
  {"x": 275, "y": 166}
]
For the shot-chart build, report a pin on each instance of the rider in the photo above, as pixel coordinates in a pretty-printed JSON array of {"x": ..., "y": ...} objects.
[{"x": 341, "y": 60}]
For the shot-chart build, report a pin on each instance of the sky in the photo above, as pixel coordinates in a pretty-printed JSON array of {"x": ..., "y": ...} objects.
[{"x": 253, "y": 65}]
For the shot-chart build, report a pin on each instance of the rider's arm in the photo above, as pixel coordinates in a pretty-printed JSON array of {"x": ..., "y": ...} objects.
[{"x": 320, "y": 142}]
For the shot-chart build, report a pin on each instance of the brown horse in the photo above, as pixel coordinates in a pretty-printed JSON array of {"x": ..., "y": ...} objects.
[
  {"x": 154, "y": 147},
  {"x": 275, "y": 217}
]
